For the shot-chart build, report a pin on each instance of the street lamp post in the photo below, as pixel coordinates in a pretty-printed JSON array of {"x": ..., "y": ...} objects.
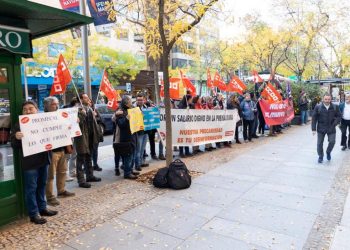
[{"x": 85, "y": 52}]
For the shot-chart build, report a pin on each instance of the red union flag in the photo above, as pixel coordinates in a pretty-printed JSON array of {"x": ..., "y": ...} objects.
[
  {"x": 112, "y": 104},
  {"x": 209, "y": 81},
  {"x": 175, "y": 88},
  {"x": 107, "y": 88},
  {"x": 218, "y": 82},
  {"x": 188, "y": 84},
  {"x": 236, "y": 85},
  {"x": 277, "y": 113},
  {"x": 256, "y": 77},
  {"x": 271, "y": 94},
  {"x": 62, "y": 78}
]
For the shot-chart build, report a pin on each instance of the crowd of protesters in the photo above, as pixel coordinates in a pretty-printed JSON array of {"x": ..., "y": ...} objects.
[{"x": 81, "y": 159}]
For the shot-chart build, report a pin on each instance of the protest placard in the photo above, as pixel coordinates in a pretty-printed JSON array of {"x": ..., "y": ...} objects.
[
  {"x": 135, "y": 120},
  {"x": 197, "y": 127},
  {"x": 73, "y": 117},
  {"x": 45, "y": 131},
  {"x": 151, "y": 118}
]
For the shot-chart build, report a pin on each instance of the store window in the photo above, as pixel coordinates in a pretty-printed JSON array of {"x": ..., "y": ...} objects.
[
  {"x": 3, "y": 75},
  {"x": 123, "y": 34},
  {"x": 6, "y": 153}
]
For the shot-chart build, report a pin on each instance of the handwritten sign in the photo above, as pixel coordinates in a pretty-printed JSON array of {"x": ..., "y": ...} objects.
[
  {"x": 136, "y": 120},
  {"x": 45, "y": 131},
  {"x": 73, "y": 117}
]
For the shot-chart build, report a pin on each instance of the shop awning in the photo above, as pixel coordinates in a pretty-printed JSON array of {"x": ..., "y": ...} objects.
[{"x": 41, "y": 20}]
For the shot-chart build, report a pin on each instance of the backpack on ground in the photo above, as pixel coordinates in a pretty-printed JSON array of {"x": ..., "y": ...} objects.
[
  {"x": 160, "y": 180},
  {"x": 178, "y": 175}
]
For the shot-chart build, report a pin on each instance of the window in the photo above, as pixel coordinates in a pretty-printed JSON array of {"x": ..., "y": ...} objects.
[
  {"x": 55, "y": 49},
  {"x": 122, "y": 34},
  {"x": 138, "y": 38},
  {"x": 179, "y": 63},
  {"x": 3, "y": 75}
]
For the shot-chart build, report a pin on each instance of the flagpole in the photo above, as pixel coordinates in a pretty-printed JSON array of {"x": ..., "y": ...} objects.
[
  {"x": 76, "y": 91},
  {"x": 99, "y": 88}
]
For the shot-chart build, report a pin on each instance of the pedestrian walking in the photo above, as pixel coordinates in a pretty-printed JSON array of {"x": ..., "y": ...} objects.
[
  {"x": 303, "y": 108},
  {"x": 58, "y": 164},
  {"x": 326, "y": 116},
  {"x": 35, "y": 168},
  {"x": 344, "y": 108}
]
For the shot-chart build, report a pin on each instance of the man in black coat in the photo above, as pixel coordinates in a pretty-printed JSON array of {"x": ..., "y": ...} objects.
[{"x": 325, "y": 118}]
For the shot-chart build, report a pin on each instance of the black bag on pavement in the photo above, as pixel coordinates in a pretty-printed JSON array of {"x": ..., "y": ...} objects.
[
  {"x": 160, "y": 180},
  {"x": 178, "y": 175}
]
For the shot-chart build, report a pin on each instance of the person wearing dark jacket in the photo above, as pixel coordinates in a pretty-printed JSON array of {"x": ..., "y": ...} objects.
[
  {"x": 303, "y": 107},
  {"x": 345, "y": 122},
  {"x": 35, "y": 169},
  {"x": 124, "y": 143},
  {"x": 185, "y": 103},
  {"x": 325, "y": 118},
  {"x": 233, "y": 103}
]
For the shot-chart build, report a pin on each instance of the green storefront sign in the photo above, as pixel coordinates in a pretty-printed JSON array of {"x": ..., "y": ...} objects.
[{"x": 15, "y": 40}]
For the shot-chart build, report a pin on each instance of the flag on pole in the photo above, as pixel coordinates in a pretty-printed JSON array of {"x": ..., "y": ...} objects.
[
  {"x": 256, "y": 77},
  {"x": 209, "y": 81},
  {"x": 62, "y": 77},
  {"x": 176, "y": 89},
  {"x": 188, "y": 84},
  {"x": 107, "y": 88},
  {"x": 271, "y": 94},
  {"x": 236, "y": 85},
  {"x": 218, "y": 82}
]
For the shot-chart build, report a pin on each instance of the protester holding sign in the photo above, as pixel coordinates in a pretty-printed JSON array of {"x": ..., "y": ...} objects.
[
  {"x": 58, "y": 165},
  {"x": 35, "y": 168}
]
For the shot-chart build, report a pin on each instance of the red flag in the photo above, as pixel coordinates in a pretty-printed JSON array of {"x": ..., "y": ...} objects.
[
  {"x": 113, "y": 104},
  {"x": 218, "y": 82},
  {"x": 271, "y": 94},
  {"x": 236, "y": 85},
  {"x": 107, "y": 88},
  {"x": 257, "y": 78},
  {"x": 188, "y": 84},
  {"x": 62, "y": 77},
  {"x": 174, "y": 88},
  {"x": 209, "y": 81}
]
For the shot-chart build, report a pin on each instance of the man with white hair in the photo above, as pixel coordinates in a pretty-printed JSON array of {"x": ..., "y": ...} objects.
[{"x": 58, "y": 165}]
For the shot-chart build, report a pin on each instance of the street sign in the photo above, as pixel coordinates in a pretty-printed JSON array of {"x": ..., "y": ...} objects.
[
  {"x": 15, "y": 40},
  {"x": 128, "y": 86}
]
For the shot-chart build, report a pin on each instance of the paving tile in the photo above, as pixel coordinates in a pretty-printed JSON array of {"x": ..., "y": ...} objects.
[
  {"x": 253, "y": 235},
  {"x": 308, "y": 172},
  {"x": 341, "y": 240},
  {"x": 281, "y": 220},
  {"x": 236, "y": 176},
  {"x": 162, "y": 219},
  {"x": 122, "y": 235},
  {"x": 212, "y": 196},
  {"x": 223, "y": 182},
  {"x": 302, "y": 191},
  {"x": 205, "y": 240},
  {"x": 291, "y": 201},
  {"x": 191, "y": 207}
]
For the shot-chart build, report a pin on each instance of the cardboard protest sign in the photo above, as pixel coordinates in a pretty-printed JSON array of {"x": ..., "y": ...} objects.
[
  {"x": 197, "y": 127},
  {"x": 136, "y": 120},
  {"x": 45, "y": 131},
  {"x": 73, "y": 117},
  {"x": 151, "y": 118},
  {"x": 277, "y": 113}
]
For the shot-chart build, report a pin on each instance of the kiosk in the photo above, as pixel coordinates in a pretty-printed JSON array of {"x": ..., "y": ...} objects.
[{"x": 20, "y": 22}]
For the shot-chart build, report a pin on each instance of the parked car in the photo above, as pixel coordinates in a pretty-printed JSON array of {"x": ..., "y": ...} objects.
[{"x": 106, "y": 115}]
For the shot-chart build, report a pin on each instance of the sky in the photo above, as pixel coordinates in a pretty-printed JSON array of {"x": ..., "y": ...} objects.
[{"x": 234, "y": 8}]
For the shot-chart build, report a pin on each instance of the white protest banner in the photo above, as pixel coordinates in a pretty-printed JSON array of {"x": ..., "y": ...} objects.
[
  {"x": 45, "y": 131},
  {"x": 197, "y": 127},
  {"x": 73, "y": 117}
]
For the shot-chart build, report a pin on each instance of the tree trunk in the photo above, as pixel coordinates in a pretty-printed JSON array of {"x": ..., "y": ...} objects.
[
  {"x": 165, "y": 67},
  {"x": 154, "y": 66}
]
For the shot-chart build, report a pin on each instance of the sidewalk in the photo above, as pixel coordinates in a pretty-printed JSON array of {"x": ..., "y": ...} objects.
[{"x": 266, "y": 198}]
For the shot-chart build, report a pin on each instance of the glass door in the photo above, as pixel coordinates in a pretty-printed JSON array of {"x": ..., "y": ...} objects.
[{"x": 9, "y": 188}]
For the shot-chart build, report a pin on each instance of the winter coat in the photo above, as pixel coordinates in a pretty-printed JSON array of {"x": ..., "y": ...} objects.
[
  {"x": 248, "y": 108},
  {"x": 122, "y": 132},
  {"x": 323, "y": 120},
  {"x": 303, "y": 104},
  {"x": 91, "y": 134},
  {"x": 29, "y": 162},
  {"x": 233, "y": 106}
]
